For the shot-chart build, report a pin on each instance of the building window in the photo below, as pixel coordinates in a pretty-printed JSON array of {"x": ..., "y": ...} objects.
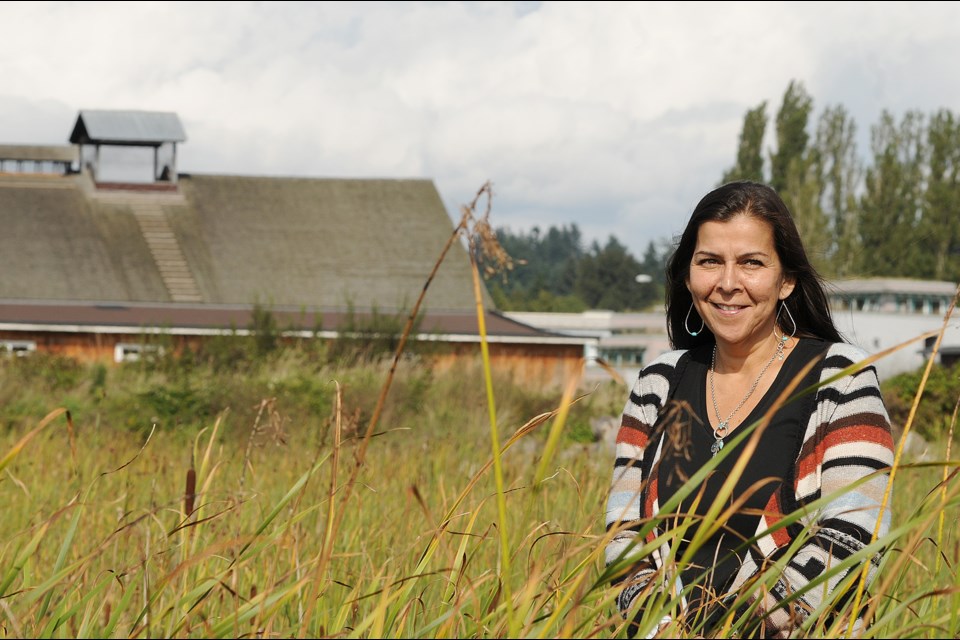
[
  {"x": 134, "y": 352},
  {"x": 17, "y": 347},
  {"x": 626, "y": 357}
]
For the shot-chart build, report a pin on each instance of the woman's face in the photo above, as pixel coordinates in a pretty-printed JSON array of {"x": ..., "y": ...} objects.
[{"x": 736, "y": 280}]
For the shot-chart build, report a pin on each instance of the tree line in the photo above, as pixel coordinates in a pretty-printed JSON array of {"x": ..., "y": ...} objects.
[
  {"x": 554, "y": 272},
  {"x": 895, "y": 214}
]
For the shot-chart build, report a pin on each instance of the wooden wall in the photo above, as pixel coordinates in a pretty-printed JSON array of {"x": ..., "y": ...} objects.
[{"x": 541, "y": 365}]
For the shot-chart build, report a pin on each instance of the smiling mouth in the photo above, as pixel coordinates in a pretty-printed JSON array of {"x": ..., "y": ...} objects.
[{"x": 728, "y": 307}]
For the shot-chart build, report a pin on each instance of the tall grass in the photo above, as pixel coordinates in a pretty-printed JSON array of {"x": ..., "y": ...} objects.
[
  {"x": 149, "y": 536},
  {"x": 369, "y": 500},
  {"x": 119, "y": 541}
]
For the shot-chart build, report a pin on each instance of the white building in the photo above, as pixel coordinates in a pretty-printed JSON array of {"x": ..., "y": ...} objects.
[{"x": 882, "y": 313}]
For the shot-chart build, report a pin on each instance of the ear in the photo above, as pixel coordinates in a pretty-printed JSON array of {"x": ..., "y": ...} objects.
[{"x": 787, "y": 287}]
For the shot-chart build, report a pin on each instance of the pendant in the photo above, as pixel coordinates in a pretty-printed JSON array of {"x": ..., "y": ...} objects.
[
  {"x": 716, "y": 446},
  {"x": 720, "y": 431}
]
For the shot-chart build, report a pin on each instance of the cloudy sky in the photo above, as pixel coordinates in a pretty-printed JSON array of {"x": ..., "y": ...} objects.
[{"x": 613, "y": 116}]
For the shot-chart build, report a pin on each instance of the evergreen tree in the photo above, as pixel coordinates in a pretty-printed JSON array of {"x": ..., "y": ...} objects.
[
  {"x": 559, "y": 250},
  {"x": 654, "y": 264},
  {"x": 544, "y": 273},
  {"x": 607, "y": 278}
]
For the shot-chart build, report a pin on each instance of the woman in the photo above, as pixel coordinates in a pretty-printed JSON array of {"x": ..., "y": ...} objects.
[{"x": 750, "y": 323}]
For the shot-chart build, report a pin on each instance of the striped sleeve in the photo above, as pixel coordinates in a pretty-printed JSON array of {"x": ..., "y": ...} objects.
[{"x": 624, "y": 503}]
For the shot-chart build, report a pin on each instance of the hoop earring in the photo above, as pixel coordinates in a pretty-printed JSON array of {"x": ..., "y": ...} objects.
[
  {"x": 783, "y": 337},
  {"x": 686, "y": 323}
]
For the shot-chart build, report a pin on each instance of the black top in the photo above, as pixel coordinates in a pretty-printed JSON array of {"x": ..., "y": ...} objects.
[{"x": 686, "y": 448}]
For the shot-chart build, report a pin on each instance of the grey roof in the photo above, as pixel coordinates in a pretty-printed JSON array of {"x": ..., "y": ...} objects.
[
  {"x": 134, "y": 128},
  {"x": 302, "y": 242},
  {"x": 892, "y": 285},
  {"x": 55, "y": 153}
]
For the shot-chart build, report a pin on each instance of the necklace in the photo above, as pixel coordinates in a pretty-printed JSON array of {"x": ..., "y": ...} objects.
[{"x": 721, "y": 431}]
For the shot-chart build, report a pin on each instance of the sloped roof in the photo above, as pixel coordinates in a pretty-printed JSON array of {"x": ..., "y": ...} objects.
[
  {"x": 57, "y": 245},
  {"x": 300, "y": 242},
  {"x": 133, "y": 128}
]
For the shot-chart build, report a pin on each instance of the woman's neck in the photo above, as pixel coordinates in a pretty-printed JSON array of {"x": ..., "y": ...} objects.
[{"x": 736, "y": 358}]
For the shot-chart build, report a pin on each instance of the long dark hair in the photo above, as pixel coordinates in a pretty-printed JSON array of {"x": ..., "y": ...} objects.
[{"x": 808, "y": 304}]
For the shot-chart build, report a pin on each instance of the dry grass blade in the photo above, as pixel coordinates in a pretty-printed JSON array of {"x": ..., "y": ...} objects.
[
  {"x": 18, "y": 447},
  {"x": 553, "y": 438},
  {"x": 943, "y": 484},
  {"x": 861, "y": 586},
  {"x": 329, "y": 534},
  {"x": 385, "y": 389},
  {"x": 610, "y": 370}
]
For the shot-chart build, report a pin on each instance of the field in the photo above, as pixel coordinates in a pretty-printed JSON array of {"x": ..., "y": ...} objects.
[
  {"x": 242, "y": 498},
  {"x": 274, "y": 520}
]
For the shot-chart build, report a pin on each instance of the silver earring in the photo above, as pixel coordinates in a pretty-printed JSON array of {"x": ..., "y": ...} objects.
[
  {"x": 782, "y": 339},
  {"x": 686, "y": 323}
]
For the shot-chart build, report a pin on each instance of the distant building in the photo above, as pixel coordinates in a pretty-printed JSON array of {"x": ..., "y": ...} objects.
[
  {"x": 880, "y": 314},
  {"x": 892, "y": 295},
  {"x": 622, "y": 341},
  {"x": 96, "y": 268},
  {"x": 38, "y": 160}
]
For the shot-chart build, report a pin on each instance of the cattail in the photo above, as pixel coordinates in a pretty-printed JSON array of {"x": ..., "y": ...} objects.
[{"x": 189, "y": 494}]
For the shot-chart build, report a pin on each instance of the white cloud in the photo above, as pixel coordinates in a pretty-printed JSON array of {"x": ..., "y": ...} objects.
[{"x": 614, "y": 116}]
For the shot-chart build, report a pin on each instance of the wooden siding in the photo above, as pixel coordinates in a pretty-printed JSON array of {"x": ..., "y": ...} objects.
[{"x": 528, "y": 365}]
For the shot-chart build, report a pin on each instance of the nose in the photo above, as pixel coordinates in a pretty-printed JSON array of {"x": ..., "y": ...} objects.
[{"x": 729, "y": 278}]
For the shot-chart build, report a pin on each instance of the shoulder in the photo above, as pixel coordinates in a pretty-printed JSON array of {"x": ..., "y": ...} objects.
[
  {"x": 659, "y": 375},
  {"x": 842, "y": 355},
  {"x": 846, "y": 351},
  {"x": 670, "y": 359},
  {"x": 665, "y": 365},
  {"x": 846, "y": 372}
]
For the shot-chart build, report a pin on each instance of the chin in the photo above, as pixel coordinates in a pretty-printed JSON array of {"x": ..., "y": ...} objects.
[{"x": 731, "y": 339}]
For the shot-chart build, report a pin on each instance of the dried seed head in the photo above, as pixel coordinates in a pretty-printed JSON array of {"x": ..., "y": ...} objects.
[{"x": 483, "y": 243}]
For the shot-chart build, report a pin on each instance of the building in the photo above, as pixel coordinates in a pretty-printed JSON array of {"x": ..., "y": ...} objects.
[
  {"x": 621, "y": 342},
  {"x": 93, "y": 266},
  {"x": 881, "y": 314}
]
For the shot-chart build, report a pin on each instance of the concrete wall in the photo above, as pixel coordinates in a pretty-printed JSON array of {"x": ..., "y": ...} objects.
[{"x": 876, "y": 331}]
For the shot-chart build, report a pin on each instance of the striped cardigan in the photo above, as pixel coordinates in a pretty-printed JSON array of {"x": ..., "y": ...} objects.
[{"x": 847, "y": 438}]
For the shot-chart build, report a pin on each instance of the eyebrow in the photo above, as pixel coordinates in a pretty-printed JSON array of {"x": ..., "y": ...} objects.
[{"x": 749, "y": 254}]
